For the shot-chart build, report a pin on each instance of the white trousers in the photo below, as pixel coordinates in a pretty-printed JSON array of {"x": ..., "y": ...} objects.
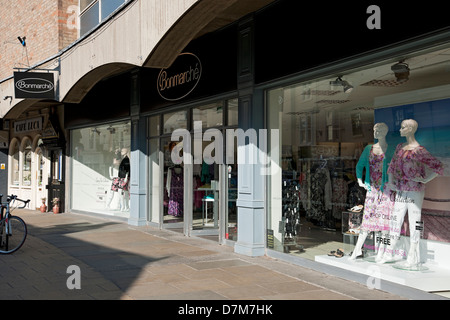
[{"x": 411, "y": 202}]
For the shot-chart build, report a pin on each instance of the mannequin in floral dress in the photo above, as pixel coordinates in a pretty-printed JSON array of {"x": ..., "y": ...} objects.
[
  {"x": 411, "y": 168},
  {"x": 375, "y": 159}
]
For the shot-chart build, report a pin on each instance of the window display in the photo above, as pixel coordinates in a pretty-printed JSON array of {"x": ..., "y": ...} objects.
[
  {"x": 101, "y": 169},
  {"x": 364, "y": 173}
]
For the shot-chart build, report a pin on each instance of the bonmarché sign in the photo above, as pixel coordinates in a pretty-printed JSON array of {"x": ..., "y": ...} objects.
[
  {"x": 34, "y": 85},
  {"x": 181, "y": 78}
]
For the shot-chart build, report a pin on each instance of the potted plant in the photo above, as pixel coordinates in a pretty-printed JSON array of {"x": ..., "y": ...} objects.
[
  {"x": 43, "y": 206},
  {"x": 55, "y": 202}
]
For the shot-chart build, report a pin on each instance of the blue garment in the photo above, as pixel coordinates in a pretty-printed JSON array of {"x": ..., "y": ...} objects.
[{"x": 364, "y": 163}]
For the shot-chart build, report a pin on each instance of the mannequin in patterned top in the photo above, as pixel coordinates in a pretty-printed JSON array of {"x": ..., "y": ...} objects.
[
  {"x": 411, "y": 168},
  {"x": 375, "y": 159}
]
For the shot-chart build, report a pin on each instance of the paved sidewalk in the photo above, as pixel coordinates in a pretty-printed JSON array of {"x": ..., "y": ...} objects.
[{"x": 118, "y": 261}]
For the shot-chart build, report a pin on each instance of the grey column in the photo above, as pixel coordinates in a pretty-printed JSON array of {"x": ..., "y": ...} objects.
[
  {"x": 250, "y": 202},
  {"x": 138, "y": 159}
]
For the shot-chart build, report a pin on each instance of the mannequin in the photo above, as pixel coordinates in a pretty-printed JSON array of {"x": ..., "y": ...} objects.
[
  {"x": 124, "y": 178},
  {"x": 175, "y": 187},
  {"x": 411, "y": 168},
  {"x": 375, "y": 159},
  {"x": 114, "y": 175}
]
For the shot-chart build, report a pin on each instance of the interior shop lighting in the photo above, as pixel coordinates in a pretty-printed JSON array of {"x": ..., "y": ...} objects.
[
  {"x": 401, "y": 71},
  {"x": 346, "y": 87}
]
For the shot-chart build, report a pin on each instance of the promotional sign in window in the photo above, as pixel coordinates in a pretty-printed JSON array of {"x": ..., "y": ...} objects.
[{"x": 34, "y": 85}]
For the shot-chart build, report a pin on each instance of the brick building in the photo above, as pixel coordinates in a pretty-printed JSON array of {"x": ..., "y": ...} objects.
[{"x": 44, "y": 24}]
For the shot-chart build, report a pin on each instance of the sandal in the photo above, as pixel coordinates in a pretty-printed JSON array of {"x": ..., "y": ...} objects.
[
  {"x": 332, "y": 253},
  {"x": 339, "y": 253},
  {"x": 356, "y": 208}
]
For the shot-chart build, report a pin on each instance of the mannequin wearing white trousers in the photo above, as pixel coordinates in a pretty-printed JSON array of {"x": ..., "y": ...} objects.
[{"x": 408, "y": 174}]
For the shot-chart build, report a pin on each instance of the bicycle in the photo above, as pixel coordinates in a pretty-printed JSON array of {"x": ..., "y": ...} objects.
[{"x": 13, "y": 230}]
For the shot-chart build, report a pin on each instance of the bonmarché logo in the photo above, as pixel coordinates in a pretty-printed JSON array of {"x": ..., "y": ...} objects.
[
  {"x": 181, "y": 78},
  {"x": 34, "y": 85}
]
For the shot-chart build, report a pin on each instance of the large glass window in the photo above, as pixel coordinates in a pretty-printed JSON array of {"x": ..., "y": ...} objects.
[
  {"x": 15, "y": 170},
  {"x": 95, "y": 11},
  {"x": 26, "y": 164},
  {"x": 101, "y": 169},
  {"x": 350, "y": 166}
]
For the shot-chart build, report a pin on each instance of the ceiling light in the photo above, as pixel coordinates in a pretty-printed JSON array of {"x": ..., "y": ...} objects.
[
  {"x": 347, "y": 87},
  {"x": 401, "y": 71}
]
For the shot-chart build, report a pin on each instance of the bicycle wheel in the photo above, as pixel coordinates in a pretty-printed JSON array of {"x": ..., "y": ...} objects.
[{"x": 14, "y": 239}]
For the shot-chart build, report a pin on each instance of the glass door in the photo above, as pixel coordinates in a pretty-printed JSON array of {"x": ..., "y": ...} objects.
[
  {"x": 173, "y": 188},
  {"x": 173, "y": 174},
  {"x": 56, "y": 179},
  {"x": 196, "y": 197}
]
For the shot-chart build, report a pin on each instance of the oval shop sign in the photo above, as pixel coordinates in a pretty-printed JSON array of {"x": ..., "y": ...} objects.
[
  {"x": 34, "y": 85},
  {"x": 180, "y": 79}
]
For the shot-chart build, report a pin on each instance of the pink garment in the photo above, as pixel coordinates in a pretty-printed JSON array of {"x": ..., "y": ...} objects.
[
  {"x": 378, "y": 204},
  {"x": 410, "y": 164}
]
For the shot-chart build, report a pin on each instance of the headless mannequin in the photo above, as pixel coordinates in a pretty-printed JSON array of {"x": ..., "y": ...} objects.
[
  {"x": 112, "y": 195},
  {"x": 406, "y": 200},
  {"x": 124, "y": 173},
  {"x": 380, "y": 148}
]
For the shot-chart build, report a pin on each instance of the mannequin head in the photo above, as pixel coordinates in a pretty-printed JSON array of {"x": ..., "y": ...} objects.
[
  {"x": 380, "y": 130},
  {"x": 408, "y": 128},
  {"x": 124, "y": 152}
]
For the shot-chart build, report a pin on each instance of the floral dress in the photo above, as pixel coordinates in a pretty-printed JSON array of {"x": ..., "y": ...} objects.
[
  {"x": 378, "y": 204},
  {"x": 176, "y": 202},
  {"x": 410, "y": 164}
]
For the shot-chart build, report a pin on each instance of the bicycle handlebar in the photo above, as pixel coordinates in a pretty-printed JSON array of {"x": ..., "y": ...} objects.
[{"x": 13, "y": 197}]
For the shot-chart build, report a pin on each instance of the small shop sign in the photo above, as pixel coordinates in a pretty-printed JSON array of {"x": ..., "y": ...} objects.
[
  {"x": 28, "y": 125},
  {"x": 34, "y": 85}
]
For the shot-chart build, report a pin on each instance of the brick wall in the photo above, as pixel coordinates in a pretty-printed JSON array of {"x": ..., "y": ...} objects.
[{"x": 42, "y": 22}]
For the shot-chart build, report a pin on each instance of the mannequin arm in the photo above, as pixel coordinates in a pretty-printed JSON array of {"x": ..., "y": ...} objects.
[
  {"x": 389, "y": 184},
  {"x": 362, "y": 184},
  {"x": 426, "y": 179}
]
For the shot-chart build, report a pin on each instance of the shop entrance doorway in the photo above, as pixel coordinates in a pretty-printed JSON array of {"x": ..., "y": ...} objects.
[{"x": 56, "y": 185}]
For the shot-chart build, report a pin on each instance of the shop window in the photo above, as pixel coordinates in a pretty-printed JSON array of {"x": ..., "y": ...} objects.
[
  {"x": 233, "y": 112},
  {"x": 15, "y": 170},
  {"x": 175, "y": 120},
  {"x": 330, "y": 195},
  {"x": 26, "y": 164},
  {"x": 101, "y": 169},
  {"x": 40, "y": 171},
  {"x": 210, "y": 115},
  {"x": 154, "y": 126}
]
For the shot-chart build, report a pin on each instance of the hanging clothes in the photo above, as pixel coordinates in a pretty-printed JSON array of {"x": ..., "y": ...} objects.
[
  {"x": 320, "y": 195},
  {"x": 175, "y": 188},
  {"x": 339, "y": 197}
]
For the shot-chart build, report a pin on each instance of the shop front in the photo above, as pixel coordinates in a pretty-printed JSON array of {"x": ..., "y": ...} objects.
[
  {"x": 356, "y": 139},
  {"x": 364, "y": 169},
  {"x": 35, "y": 158},
  {"x": 122, "y": 157}
]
